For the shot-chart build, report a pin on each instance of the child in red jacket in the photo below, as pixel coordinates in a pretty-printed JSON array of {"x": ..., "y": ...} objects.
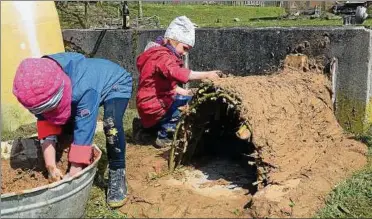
[{"x": 161, "y": 70}]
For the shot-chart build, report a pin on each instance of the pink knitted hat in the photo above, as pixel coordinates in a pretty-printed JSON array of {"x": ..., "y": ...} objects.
[{"x": 43, "y": 87}]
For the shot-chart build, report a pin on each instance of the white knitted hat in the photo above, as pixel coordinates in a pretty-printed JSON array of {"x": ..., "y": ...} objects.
[{"x": 182, "y": 30}]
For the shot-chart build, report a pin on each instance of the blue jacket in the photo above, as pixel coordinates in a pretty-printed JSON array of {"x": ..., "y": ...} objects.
[{"x": 93, "y": 82}]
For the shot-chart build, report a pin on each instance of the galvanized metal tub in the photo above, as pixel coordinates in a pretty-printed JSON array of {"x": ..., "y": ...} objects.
[{"x": 63, "y": 199}]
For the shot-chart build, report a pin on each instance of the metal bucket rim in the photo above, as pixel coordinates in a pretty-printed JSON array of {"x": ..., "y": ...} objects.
[{"x": 58, "y": 183}]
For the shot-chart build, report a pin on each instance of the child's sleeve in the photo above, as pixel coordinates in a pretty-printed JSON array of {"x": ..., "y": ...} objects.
[
  {"x": 171, "y": 69},
  {"x": 45, "y": 128},
  {"x": 84, "y": 128}
]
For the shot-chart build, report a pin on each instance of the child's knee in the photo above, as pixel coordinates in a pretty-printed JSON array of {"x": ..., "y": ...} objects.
[{"x": 182, "y": 100}]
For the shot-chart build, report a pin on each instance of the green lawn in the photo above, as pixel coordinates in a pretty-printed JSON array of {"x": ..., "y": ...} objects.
[
  {"x": 203, "y": 15},
  {"x": 353, "y": 197},
  {"x": 211, "y": 16},
  {"x": 223, "y": 16}
]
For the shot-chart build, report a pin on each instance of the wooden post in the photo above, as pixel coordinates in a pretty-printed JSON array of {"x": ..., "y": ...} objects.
[
  {"x": 140, "y": 12},
  {"x": 86, "y": 5}
]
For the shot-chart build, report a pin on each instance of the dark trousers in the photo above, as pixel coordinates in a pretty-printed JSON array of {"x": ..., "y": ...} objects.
[
  {"x": 168, "y": 123},
  {"x": 114, "y": 110}
]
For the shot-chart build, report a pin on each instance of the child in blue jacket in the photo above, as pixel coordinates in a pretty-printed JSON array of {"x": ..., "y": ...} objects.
[{"x": 67, "y": 88}]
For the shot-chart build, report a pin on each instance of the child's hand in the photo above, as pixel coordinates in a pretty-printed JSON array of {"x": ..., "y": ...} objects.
[
  {"x": 75, "y": 168},
  {"x": 184, "y": 92},
  {"x": 183, "y": 108},
  {"x": 54, "y": 173},
  {"x": 49, "y": 153},
  {"x": 214, "y": 74}
]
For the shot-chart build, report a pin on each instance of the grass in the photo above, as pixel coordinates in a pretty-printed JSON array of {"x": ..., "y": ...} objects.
[
  {"x": 202, "y": 15},
  {"x": 211, "y": 16},
  {"x": 22, "y": 131},
  {"x": 353, "y": 197},
  {"x": 97, "y": 207},
  {"x": 223, "y": 16}
]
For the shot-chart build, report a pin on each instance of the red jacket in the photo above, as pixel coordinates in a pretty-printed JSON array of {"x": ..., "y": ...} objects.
[{"x": 160, "y": 71}]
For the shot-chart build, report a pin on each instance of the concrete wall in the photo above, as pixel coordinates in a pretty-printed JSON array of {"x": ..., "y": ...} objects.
[{"x": 253, "y": 51}]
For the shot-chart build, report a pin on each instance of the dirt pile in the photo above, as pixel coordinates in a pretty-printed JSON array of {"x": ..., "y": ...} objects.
[{"x": 297, "y": 149}]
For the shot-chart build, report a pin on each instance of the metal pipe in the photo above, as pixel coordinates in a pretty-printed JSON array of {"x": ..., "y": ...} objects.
[
  {"x": 186, "y": 62},
  {"x": 125, "y": 15},
  {"x": 334, "y": 71}
]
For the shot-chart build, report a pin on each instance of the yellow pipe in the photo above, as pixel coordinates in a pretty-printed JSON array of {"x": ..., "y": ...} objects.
[{"x": 28, "y": 29}]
